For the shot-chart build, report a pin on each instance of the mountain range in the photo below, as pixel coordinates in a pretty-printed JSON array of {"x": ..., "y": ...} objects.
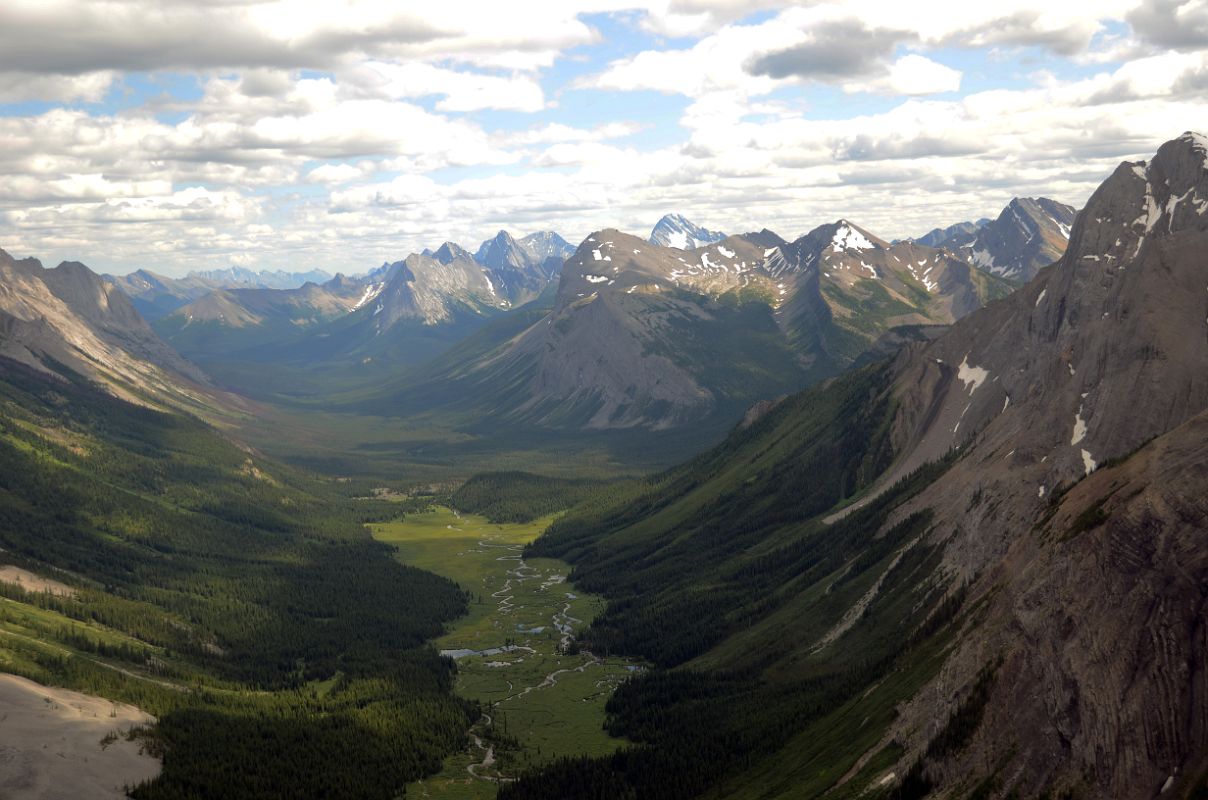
[
  {"x": 635, "y": 334},
  {"x": 155, "y": 296},
  {"x": 69, "y": 321},
  {"x": 660, "y": 337},
  {"x": 942, "y": 532},
  {"x": 401, "y": 313},
  {"x": 1030, "y": 233},
  {"x": 977, "y": 567}
]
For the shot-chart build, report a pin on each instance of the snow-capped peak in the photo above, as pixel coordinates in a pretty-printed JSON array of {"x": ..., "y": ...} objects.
[
  {"x": 848, "y": 238},
  {"x": 674, "y": 230}
]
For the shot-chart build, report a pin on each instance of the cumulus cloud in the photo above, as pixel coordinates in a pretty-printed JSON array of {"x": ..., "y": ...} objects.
[
  {"x": 1175, "y": 24},
  {"x": 910, "y": 75},
  {"x": 459, "y": 90},
  {"x": 894, "y": 146},
  {"x": 16, "y": 87},
  {"x": 822, "y": 44},
  {"x": 688, "y": 17},
  {"x": 334, "y": 173},
  {"x": 832, "y": 49},
  {"x": 340, "y": 135},
  {"x": 557, "y": 132},
  {"x": 69, "y": 37},
  {"x": 1029, "y": 27}
]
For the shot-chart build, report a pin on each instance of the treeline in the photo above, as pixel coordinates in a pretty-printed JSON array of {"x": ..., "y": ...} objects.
[
  {"x": 234, "y": 586},
  {"x": 504, "y": 497}
]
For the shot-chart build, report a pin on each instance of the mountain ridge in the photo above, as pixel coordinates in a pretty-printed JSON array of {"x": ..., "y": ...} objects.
[
  {"x": 641, "y": 335},
  {"x": 1024, "y": 549}
]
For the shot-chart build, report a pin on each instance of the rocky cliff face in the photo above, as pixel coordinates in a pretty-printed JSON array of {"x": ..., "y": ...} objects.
[
  {"x": 424, "y": 289},
  {"x": 1094, "y": 578}
]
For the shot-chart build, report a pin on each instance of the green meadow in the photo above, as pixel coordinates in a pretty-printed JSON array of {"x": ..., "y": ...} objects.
[{"x": 540, "y": 698}]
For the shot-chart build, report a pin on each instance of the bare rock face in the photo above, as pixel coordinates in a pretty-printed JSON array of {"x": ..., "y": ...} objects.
[
  {"x": 422, "y": 288},
  {"x": 1094, "y": 578},
  {"x": 1097, "y": 619},
  {"x": 69, "y": 316},
  {"x": 1095, "y": 356}
]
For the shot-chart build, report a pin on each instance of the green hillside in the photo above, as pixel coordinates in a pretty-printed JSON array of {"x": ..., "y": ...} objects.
[{"x": 240, "y": 601}]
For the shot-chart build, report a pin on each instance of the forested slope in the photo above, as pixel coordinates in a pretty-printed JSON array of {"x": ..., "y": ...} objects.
[{"x": 239, "y": 601}]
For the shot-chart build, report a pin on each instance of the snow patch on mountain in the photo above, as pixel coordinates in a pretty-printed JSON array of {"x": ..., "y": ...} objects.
[
  {"x": 371, "y": 291},
  {"x": 1079, "y": 428},
  {"x": 973, "y": 377},
  {"x": 848, "y": 238}
]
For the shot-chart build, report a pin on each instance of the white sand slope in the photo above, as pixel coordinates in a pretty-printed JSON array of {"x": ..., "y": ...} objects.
[{"x": 50, "y": 744}]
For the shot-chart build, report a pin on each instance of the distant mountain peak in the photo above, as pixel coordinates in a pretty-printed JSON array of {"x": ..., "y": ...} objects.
[
  {"x": 1029, "y": 233},
  {"x": 499, "y": 249},
  {"x": 676, "y": 230},
  {"x": 851, "y": 237},
  {"x": 523, "y": 269},
  {"x": 546, "y": 244},
  {"x": 448, "y": 252},
  {"x": 243, "y": 278}
]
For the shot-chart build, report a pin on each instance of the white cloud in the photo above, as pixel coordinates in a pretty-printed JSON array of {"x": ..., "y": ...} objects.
[
  {"x": 16, "y": 87},
  {"x": 393, "y": 145},
  {"x": 557, "y": 132},
  {"x": 334, "y": 173},
  {"x": 460, "y": 90},
  {"x": 911, "y": 75}
]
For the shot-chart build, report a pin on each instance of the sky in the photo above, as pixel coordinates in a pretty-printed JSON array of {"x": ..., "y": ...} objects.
[{"x": 181, "y": 134}]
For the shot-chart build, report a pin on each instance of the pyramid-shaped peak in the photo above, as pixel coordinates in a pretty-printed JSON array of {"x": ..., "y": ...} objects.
[
  {"x": 676, "y": 230},
  {"x": 849, "y": 236},
  {"x": 449, "y": 252}
]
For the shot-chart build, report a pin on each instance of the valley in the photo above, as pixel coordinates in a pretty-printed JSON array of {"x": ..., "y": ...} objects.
[
  {"x": 542, "y": 698},
  {"x": 341, "y": 473}
]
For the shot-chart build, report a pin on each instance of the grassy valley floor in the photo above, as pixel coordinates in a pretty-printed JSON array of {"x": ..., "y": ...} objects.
[{"x": 541, "y": 699}]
